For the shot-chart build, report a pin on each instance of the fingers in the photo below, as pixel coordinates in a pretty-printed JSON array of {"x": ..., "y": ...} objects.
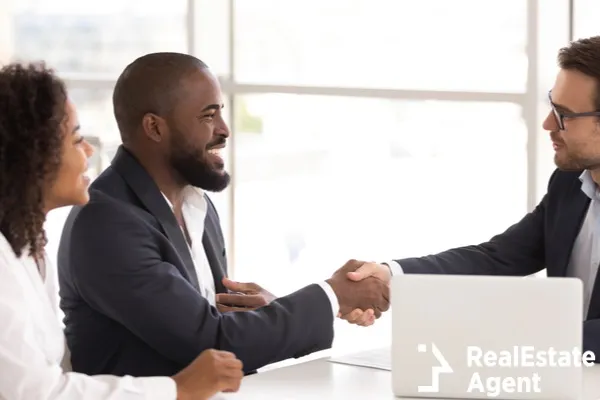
[
  {"x": 234, "y": 364},
  {"x": 355, "y": 315},
  {"x": 222, "y": 354},
  {"x": 240, "y": 287},
  {"x": 364, "y": 271},
  {"x": 369, "y": 269},
  {"x": 241, "y": 300},
  {"x": 231, "y": 374},
  {"x": 385, "y": 294},
  {"x": 231, "y": 385},
  {"x": 361, "y": 318},
  {"x": 351, "y": 266}
]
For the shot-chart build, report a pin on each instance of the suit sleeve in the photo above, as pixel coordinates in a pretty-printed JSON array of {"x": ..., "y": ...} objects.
[
  {"x": 518, "y": 251},
  {"x": 591, "y": 337},
  {"x": 116, "y": 264}
]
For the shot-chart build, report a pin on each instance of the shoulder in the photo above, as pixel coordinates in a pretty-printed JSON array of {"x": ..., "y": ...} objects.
[
  {"x": 8, "y": 258},
  {"x": 561, "y": 181},
  {"x": 560, "y": 177},
  {"x": 103, "y": 217}
]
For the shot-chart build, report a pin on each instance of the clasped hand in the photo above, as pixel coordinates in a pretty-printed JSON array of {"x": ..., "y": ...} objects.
[
  {"x": 362, "y": 290},
  {"x": 373, "y": 280},
  {"x": 242, "y": 297}
]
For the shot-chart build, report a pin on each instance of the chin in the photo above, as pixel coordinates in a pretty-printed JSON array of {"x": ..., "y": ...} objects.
[{"x": 82, "y": 198}]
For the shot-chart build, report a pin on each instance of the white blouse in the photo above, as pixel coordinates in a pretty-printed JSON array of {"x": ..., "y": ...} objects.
[{"x": 34, "y": 360}]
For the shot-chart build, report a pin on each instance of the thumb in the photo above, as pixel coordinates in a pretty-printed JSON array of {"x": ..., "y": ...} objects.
[{"x": 364, "y": 271}]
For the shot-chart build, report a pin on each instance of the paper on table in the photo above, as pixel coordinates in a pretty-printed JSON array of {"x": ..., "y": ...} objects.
[{"x": 375, "y": 358}]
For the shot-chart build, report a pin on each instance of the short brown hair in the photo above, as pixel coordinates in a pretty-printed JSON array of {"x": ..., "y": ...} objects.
[
  {"x": 32, "y": 109},
  {"x": 583, "y": 55}
]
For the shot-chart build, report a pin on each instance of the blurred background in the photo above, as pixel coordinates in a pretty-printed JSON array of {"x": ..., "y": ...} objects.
[{"x": 370, "y": 129}]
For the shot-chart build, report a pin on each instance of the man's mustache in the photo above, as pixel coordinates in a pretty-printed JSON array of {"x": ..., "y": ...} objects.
[{"x": 219, "y": 142}]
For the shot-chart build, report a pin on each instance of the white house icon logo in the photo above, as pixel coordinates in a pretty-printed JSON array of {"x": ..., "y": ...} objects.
[{"x": 443, "y": 368}]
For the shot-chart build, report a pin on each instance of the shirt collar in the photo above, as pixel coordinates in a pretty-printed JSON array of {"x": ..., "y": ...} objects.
[
  {"x": 588, "y": 186},
  {"x": 191, "y": 195}
]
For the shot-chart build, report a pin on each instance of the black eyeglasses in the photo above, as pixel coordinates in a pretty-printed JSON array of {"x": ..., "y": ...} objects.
[{"x": 561, "y": 115}]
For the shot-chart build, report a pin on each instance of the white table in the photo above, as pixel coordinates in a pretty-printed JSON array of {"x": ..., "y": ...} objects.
[{"x": 321, "y": 379}]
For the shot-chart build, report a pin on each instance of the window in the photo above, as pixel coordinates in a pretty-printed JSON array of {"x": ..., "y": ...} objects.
[
  {"x": 322, "y": 179},
  {"x": 96, "y": 37},
  {"x": 361, "y": 130},
  {"x": 426, "y": 44},
  {"x": 585, "y": 18}
]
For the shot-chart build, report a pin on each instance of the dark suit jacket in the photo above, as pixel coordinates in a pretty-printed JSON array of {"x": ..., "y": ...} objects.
[
  {"x": 544, "y": 238},
  {"x": 130, "y": 294}
]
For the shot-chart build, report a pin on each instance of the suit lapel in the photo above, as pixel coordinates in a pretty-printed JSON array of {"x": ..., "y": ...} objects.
[
  {"x": 145, "y": 188},
  {"x": 212, "y": 249}
]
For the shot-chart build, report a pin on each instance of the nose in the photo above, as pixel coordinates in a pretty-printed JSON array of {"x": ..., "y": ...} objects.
[
  {"x": 88, "y": 149},
  {"x": 222, "y": 130},
  {"x": 550, "y": 124}
]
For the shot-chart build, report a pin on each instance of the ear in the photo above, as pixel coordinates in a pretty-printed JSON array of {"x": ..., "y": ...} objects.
[{"x": 154, "y": 127}]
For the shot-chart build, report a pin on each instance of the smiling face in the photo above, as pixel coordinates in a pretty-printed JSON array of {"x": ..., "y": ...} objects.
[
  {"x": 198, "y": 133},
  {"x": 70, "y": 186}
]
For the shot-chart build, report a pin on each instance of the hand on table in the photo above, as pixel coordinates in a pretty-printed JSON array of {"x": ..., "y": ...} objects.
[
  {"x": 211, "y": 372},
  {"x": 242, "y": 297}
]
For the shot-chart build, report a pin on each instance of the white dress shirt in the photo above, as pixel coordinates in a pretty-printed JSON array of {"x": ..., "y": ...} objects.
[
  {"x": 34, "y": 361},
  {"x": 585, "y": 256},
  {"x": 194, "y": 213}
]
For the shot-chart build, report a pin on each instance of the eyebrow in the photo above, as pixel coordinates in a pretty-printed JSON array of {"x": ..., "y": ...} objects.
[
  {"x": 76, "y": 129},
  {"x": 565, "y": 108},
  {"x": 556, "y": 105},
  {"x": 213, "y": 107}
]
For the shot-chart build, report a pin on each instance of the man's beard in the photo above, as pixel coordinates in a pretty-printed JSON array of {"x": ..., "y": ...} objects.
[{"x": 194, "y": 168}]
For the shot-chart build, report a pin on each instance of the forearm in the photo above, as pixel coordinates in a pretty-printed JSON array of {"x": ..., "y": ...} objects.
[
  {"x": 289, "y": 327},
  {"x": 484, "y": 259}
]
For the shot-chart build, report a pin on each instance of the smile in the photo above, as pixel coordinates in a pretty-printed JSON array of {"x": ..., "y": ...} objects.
[{"x": 215, "y": 152}]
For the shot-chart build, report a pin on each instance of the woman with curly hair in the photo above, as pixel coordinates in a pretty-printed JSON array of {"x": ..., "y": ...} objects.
[{"x": 43, "y": 160}]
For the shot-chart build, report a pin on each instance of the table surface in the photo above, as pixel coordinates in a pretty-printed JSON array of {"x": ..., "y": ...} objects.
[{"x": 321, "y": 379}]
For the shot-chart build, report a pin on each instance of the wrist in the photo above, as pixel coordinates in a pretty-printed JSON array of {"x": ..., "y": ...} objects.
[
  {"x": 182, "y": 393},
  {"x": 334, "y": 288}
]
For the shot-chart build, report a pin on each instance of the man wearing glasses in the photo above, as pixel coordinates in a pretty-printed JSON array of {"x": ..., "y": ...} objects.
[{"x": 562, "y": 234}]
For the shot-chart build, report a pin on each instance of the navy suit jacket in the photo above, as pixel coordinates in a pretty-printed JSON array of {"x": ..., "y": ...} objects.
[
  {"x": 130, "y": 294},
  {"x": 544, "y": 238}
]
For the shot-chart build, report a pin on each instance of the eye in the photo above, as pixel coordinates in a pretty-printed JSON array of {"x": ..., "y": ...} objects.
[
  {"x": 79, "y": 140},
  {"x": 207, "y": 117}
]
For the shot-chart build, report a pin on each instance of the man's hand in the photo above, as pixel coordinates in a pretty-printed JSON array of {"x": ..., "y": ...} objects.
[
  {"x": 367, "y": 269},
  {"x": 243, "y": 297},
  {"x": 211, "y": 372},
  {"x": 367, "y": 293}
]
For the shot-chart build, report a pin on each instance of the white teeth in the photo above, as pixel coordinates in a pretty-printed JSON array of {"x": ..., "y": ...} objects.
[{"x": 215, "y": 151}]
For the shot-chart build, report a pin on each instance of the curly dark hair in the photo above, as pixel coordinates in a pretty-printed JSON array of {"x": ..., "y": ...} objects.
[{"x": 32, "y": 109}]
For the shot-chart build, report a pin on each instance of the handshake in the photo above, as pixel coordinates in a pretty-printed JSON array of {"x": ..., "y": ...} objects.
[{"x": 362, "y": 290}]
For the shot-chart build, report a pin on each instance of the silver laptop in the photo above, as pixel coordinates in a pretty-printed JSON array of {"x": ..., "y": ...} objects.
[{"x": 487, "y": 337}]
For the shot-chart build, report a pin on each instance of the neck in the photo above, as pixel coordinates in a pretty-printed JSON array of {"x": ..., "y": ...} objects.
[
  {"x": 595, "y": 173},
  {"x": 164, "y": 177}
]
